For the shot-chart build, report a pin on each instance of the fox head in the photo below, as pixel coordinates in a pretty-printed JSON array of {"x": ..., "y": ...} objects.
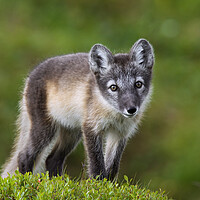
[{"x": 124, "y": 79}]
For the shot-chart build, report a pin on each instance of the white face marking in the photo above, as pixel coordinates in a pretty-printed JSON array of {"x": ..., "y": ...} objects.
[
  {"x": 110, "y": 82},
  {"x": 139, "y": 78}
]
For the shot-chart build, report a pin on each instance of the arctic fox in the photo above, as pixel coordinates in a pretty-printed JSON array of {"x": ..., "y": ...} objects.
[{"x": 99, "y": 97}]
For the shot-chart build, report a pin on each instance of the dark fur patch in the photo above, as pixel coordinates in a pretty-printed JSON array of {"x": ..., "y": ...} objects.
[
  {"x": 122, "y": 60},
  {"x": 66, "y": 143}
]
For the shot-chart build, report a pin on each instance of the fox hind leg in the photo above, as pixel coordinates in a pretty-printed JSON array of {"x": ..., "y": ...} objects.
[
  {"x": 40, "y": 136},
  {"x": 42, "y": 128},
  {"x": 34, "y": 135}
]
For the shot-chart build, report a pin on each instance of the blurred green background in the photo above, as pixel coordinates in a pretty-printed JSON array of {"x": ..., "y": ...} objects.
[{"x": 166, "y": 151}]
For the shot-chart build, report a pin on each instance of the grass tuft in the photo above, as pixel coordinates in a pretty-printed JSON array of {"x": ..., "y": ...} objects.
[{"x": 30, "y": 186}]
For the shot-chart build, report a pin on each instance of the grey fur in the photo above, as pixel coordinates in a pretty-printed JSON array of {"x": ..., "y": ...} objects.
[{"x": 92, "y": 95}]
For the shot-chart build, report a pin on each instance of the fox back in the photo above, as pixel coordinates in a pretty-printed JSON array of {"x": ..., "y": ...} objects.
[{"x": 96, "y": 96}]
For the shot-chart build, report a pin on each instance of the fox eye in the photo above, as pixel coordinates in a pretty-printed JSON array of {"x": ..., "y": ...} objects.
[
  {"x": 113, "y": 88},
  {"x": 138, "y": 84}
]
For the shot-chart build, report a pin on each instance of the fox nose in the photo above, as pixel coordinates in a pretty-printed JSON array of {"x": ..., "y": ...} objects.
[{"x": 132, "y": 110}]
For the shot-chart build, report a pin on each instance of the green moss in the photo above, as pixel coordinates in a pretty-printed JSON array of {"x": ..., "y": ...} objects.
[{"x": 30, "y": 186}]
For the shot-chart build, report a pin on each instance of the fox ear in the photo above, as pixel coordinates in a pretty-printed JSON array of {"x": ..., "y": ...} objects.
[
  {"x": 142, "y": 54},
  {"x": 100, "y": 59}
]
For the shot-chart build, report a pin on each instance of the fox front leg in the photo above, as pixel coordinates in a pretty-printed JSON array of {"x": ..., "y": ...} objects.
[
  {"x": 94, "y": 150},
  {"x": 113, "y": 153}
]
